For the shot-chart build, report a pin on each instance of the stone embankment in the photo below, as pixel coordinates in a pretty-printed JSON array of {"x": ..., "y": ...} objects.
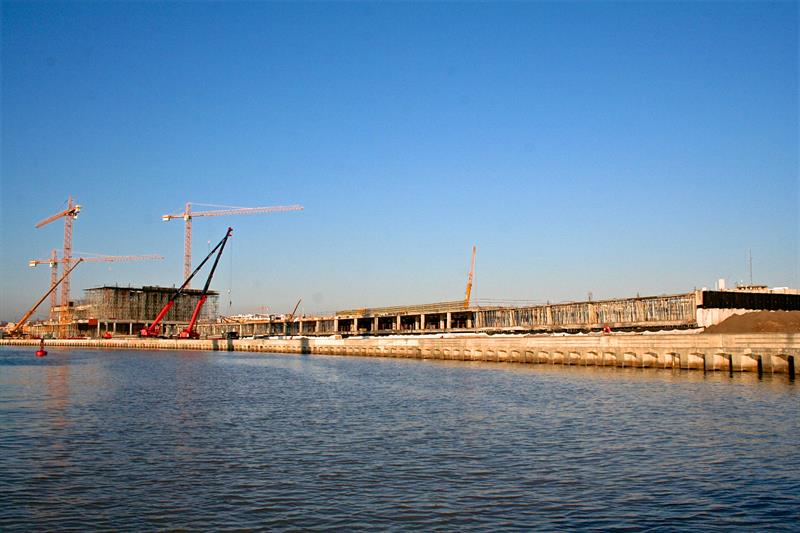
[{"x": 767, "y": 352}]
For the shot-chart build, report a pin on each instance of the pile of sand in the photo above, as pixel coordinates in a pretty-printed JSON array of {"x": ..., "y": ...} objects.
[{"x": 759, "y": 322}]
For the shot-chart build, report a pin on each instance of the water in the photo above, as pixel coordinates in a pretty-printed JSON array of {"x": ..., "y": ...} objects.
[{"x": 200, "y": 440}]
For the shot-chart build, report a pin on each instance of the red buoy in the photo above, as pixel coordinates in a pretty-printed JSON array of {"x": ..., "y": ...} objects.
[{"x": 41, "y": 352}]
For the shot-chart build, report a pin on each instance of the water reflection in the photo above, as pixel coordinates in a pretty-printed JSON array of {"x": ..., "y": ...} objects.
[{"x": 200, "y": 440}]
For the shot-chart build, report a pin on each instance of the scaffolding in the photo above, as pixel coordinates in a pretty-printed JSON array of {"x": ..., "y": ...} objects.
[
  {"x": 143, "y": 304},
  {"x": 673, "y": 310}
]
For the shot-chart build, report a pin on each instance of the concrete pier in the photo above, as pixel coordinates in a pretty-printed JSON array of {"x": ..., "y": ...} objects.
[{"x": 771, "y": 352}]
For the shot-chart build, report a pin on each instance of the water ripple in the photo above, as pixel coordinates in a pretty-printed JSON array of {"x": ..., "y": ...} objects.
[{"x": 195, "y": 440}]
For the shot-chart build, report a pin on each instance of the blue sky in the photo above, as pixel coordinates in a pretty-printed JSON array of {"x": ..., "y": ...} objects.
[{"x": 617, "y": 148}]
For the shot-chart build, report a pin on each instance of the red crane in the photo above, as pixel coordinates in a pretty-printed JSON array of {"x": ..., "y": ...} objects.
[
  {"x": 189, "y": 332},
  {"x": 153, "y": 329},
  {"x": 188, "y": 215}
]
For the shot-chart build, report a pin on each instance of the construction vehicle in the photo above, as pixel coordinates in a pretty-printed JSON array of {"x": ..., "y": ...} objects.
[
  {"x": 188, "y": 215},
  {"x": 154, "y": 329},
  {"x": 17, "y": 329}
]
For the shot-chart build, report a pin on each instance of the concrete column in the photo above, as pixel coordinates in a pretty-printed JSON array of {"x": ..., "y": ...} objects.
[
  {"x": 442, "y": 322},
  {"x": 335, "y": 325},
  {"x": 130, "y": 328},
  {"x": 421, "y": 321},
  {"x": 449, "y": 320},
  {"x": 639, "y": 307},
  {"x": 354, "y": 328},
  {"x": 98, "y": 328},
  {"x": 375, "y": 324},
  {"x": 397, "y": 323}
]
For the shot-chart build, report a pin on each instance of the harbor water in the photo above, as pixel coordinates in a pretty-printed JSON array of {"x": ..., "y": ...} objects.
[{"x": 120, "y": 440}]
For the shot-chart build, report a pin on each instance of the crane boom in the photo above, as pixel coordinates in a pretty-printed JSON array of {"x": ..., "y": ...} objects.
[
  {"x": 32, "y": 310},
  {"x": 71, "y": 211},
  {"x": 102, "y": 258},
  {"x": 469, "y": 279},
  {"x": 189, "y": 332},
  {"x": 238, "y": 211},
  {"x": 291, "y": 316},
  {"x": 188, "y": 215},
  {"x": 153, "y": 329}
]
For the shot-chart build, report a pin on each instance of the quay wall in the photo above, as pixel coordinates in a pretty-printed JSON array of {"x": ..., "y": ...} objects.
[{"x": 768, "y": 352}]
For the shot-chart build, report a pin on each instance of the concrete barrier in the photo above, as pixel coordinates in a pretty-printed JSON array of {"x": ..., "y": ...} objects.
[{"x": 740, "y": 353}]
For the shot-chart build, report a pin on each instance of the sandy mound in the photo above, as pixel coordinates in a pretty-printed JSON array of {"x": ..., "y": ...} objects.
[{"x": 759, "y": 322}]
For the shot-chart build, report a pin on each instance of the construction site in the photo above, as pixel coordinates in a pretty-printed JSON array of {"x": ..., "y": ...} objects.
[
  {"x": 697, "y": 329},
  {"x": 146, "y": 311},
  {"x": 153, "y": 311}
]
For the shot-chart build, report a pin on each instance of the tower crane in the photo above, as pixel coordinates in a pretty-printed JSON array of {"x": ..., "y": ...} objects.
[
  {"x": 469, "y": 279},
  {"x": 69, "y": 215},
  {"x": 54, "y": 261},
  {"x": 188, "y": 215},
  {"x": 18, "y": 326}
]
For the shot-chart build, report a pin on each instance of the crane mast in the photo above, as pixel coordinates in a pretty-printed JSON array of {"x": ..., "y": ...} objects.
[{"x": 69, "y": 215}]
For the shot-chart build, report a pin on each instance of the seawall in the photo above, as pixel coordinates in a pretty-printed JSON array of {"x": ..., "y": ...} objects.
[{"x": 767, "y": 352}]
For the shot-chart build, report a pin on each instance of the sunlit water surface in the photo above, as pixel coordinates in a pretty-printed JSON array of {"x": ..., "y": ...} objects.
[{"x": 202, "y": 440}]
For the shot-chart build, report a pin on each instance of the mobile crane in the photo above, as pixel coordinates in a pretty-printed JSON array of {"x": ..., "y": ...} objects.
[{"x": 154, "y": 329}]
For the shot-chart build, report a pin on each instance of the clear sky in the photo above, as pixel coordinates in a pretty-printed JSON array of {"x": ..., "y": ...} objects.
[{"x": 617, "y": 148}]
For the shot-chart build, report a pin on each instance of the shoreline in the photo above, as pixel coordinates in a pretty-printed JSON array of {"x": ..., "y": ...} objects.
[{"x": 744, "y": 352}]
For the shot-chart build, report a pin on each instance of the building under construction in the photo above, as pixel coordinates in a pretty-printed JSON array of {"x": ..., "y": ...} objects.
[
  {"x": 126, "y": 310},
  {"x": 696, "y": 309}
]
